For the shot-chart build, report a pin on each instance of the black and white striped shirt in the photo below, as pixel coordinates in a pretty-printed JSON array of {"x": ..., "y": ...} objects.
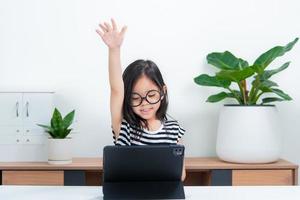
[{"x": 169, "y": 133}]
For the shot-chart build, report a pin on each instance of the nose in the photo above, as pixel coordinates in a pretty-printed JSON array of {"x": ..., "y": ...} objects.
[{"x": 144, "y": 101}]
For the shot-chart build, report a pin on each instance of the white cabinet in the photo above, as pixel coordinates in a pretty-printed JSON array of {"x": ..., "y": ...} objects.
[
  {"x": 20, "y": 137},
  {"x": 10, "y": 104},
  {"x": 37, "y": 108}
]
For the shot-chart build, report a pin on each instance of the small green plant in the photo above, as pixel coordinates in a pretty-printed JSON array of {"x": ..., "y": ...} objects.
[
  {"x": 59, "y": 127},
  {"x": 236, "y": 70}
]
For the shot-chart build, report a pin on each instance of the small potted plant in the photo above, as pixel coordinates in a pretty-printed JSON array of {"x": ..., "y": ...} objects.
[
  {"x": 248, "y": 130},
  {"x": 59, "y": 143}
]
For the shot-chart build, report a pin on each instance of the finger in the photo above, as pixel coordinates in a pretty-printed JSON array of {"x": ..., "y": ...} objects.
[
  {"x": 100, "y": 33},
  {"x": 114, "y": 25},
  {"x": 108, "y": 27},
  {"x": 103, "y": 28},
  {"x": 123, "y": 31}
]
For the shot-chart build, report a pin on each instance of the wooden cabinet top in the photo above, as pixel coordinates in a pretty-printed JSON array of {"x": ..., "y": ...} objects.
[{"x": 191, "y": 163}]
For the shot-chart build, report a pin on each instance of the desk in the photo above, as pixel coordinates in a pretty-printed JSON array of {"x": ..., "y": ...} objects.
[
  {"x": 191, "y": 192},
  {"x": 201, "y": 171}
]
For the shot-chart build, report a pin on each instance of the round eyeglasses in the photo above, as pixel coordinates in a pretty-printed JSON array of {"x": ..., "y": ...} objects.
[{"x": 152, "y": 97}]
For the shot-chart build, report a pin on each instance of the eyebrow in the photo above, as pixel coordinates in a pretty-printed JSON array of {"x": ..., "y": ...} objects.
[{"x": 145, "y": 92}]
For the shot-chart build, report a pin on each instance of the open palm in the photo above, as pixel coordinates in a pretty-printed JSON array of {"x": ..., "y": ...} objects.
[{"x": 110, "y": 34}]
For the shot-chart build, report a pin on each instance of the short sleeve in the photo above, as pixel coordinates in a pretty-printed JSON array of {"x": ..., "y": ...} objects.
[
  {"x": 181, "y": 131},
  {"x": 124, "y": 136}
]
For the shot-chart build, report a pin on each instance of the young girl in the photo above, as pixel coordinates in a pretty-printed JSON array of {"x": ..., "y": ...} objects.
[{"x": 139, "y": 99}]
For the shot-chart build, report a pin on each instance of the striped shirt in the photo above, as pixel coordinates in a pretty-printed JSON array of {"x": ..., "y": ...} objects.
[{"x": 169, "y": 133}]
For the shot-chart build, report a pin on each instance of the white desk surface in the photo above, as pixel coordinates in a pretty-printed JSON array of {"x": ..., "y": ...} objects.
[{"x": 191, "y": 192}]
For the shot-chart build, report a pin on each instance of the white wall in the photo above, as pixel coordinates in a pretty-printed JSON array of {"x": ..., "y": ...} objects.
[{"x": 52, "y": 45}]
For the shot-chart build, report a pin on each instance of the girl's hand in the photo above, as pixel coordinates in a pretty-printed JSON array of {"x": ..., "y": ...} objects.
[{"x": 110, "y": 34}]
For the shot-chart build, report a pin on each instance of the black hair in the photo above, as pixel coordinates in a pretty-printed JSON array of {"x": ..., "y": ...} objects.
[{"x": 130, "y": 76}]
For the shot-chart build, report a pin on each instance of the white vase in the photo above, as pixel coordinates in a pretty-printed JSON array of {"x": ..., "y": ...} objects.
[
  {"x": 60, "y": 151},
  {"x": 248, "y": 134}
]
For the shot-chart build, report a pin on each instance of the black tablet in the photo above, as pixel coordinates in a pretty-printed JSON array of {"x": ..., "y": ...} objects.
[{"x": 143, "y": 172}]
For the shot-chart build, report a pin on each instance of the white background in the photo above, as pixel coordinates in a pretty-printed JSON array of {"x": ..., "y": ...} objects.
[{"x": 52, "y": 46}]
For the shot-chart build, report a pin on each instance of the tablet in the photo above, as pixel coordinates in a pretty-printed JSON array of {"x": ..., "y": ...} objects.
[{"x": 143, "y": 172}]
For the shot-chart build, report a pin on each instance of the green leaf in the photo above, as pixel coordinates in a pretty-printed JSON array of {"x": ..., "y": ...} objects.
[
  {"x": 51, "y": 134},
  {"x": 56, "y": 121},
  {"x": 276, "y": 91},
  {"x": 234, "y": 75},
  {"x": 218, "y": 97},
  {"x": 66, "y": 133},
  {"x": 268, "y": 73},
  {"x": 237, "y": 93},
  {"x": 45, "y": 126},
  {"x": 226, "y": 61},
  {"x": 266, "y": 58},
  {"x": 59, "y": 126},
  {"x": 68, "y": 119},
  {"x": 271, "y": 99},
  {"x": 267, "y": 83},
  {"x": 206, "y": 80},
  {"x": 265, "y": 89},
  {"x": 281, "y": 94}
]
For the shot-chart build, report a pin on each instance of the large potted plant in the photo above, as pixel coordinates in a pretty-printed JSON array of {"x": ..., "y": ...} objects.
[
  {"x": 248, "y": 130},
  {"x": 59, "y": 143}
]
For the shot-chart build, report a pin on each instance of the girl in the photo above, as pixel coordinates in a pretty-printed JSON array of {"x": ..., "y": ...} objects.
[{"x": 139, "y": 99}]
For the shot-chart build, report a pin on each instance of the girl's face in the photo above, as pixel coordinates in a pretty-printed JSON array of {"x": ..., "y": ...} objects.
[{"x": 141, "y": 88}]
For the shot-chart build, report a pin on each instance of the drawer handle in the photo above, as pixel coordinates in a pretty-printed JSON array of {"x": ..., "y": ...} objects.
[
  {"x": 27, "y": 109},
  {"x": 17, "y": 109}
]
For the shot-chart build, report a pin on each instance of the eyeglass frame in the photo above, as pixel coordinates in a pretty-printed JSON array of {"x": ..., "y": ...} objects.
[{"x": 161, "y": 94}]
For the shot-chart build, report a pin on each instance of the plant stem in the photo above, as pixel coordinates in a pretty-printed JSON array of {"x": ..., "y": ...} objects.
[
  {"x": 240, "y": 84},
  {"x": 244, "y": 84},
  {"x": 236, "y": 96},
  {"x": 251, "y": 93},
  {"x": 255, "y": 90},
  {"x": 258, "y": 97}
]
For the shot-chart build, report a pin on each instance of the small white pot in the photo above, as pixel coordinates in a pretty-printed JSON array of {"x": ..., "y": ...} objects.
[
  {"x": 60, "y": 151},
  {"x": 248, "y": 134}
]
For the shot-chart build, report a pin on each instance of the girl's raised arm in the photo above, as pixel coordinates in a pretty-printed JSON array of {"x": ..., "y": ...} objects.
[{"x": 113, "y": 39}]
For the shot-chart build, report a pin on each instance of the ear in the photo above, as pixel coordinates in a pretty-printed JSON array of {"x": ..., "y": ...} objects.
[{"x": 164, "y": 92}]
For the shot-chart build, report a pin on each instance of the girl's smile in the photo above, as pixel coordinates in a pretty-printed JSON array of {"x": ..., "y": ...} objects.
[{"x": 146, "y": 111}]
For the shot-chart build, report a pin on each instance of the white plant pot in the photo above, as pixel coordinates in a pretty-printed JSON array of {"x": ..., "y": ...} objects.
[
  {"x": 60, "y": 151},
  {"x": 248, "y": 134}
]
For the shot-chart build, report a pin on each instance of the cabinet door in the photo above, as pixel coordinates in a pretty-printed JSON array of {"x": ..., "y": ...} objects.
[
  {"x": 11, "y": 109},
  {"x": 37, "y": 109},
  {"x": 33, "y": 177},
  {"x": 263, "y": 177},
  {"x": 10, "y": 134}
]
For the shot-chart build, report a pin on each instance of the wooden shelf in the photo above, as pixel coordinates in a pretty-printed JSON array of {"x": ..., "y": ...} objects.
[
  {"x": 192, "y": 164},
  {"x": 77, "y": 164},
  {"x": 200, "y": 171},
  {"x": 196, "y": 163}
]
